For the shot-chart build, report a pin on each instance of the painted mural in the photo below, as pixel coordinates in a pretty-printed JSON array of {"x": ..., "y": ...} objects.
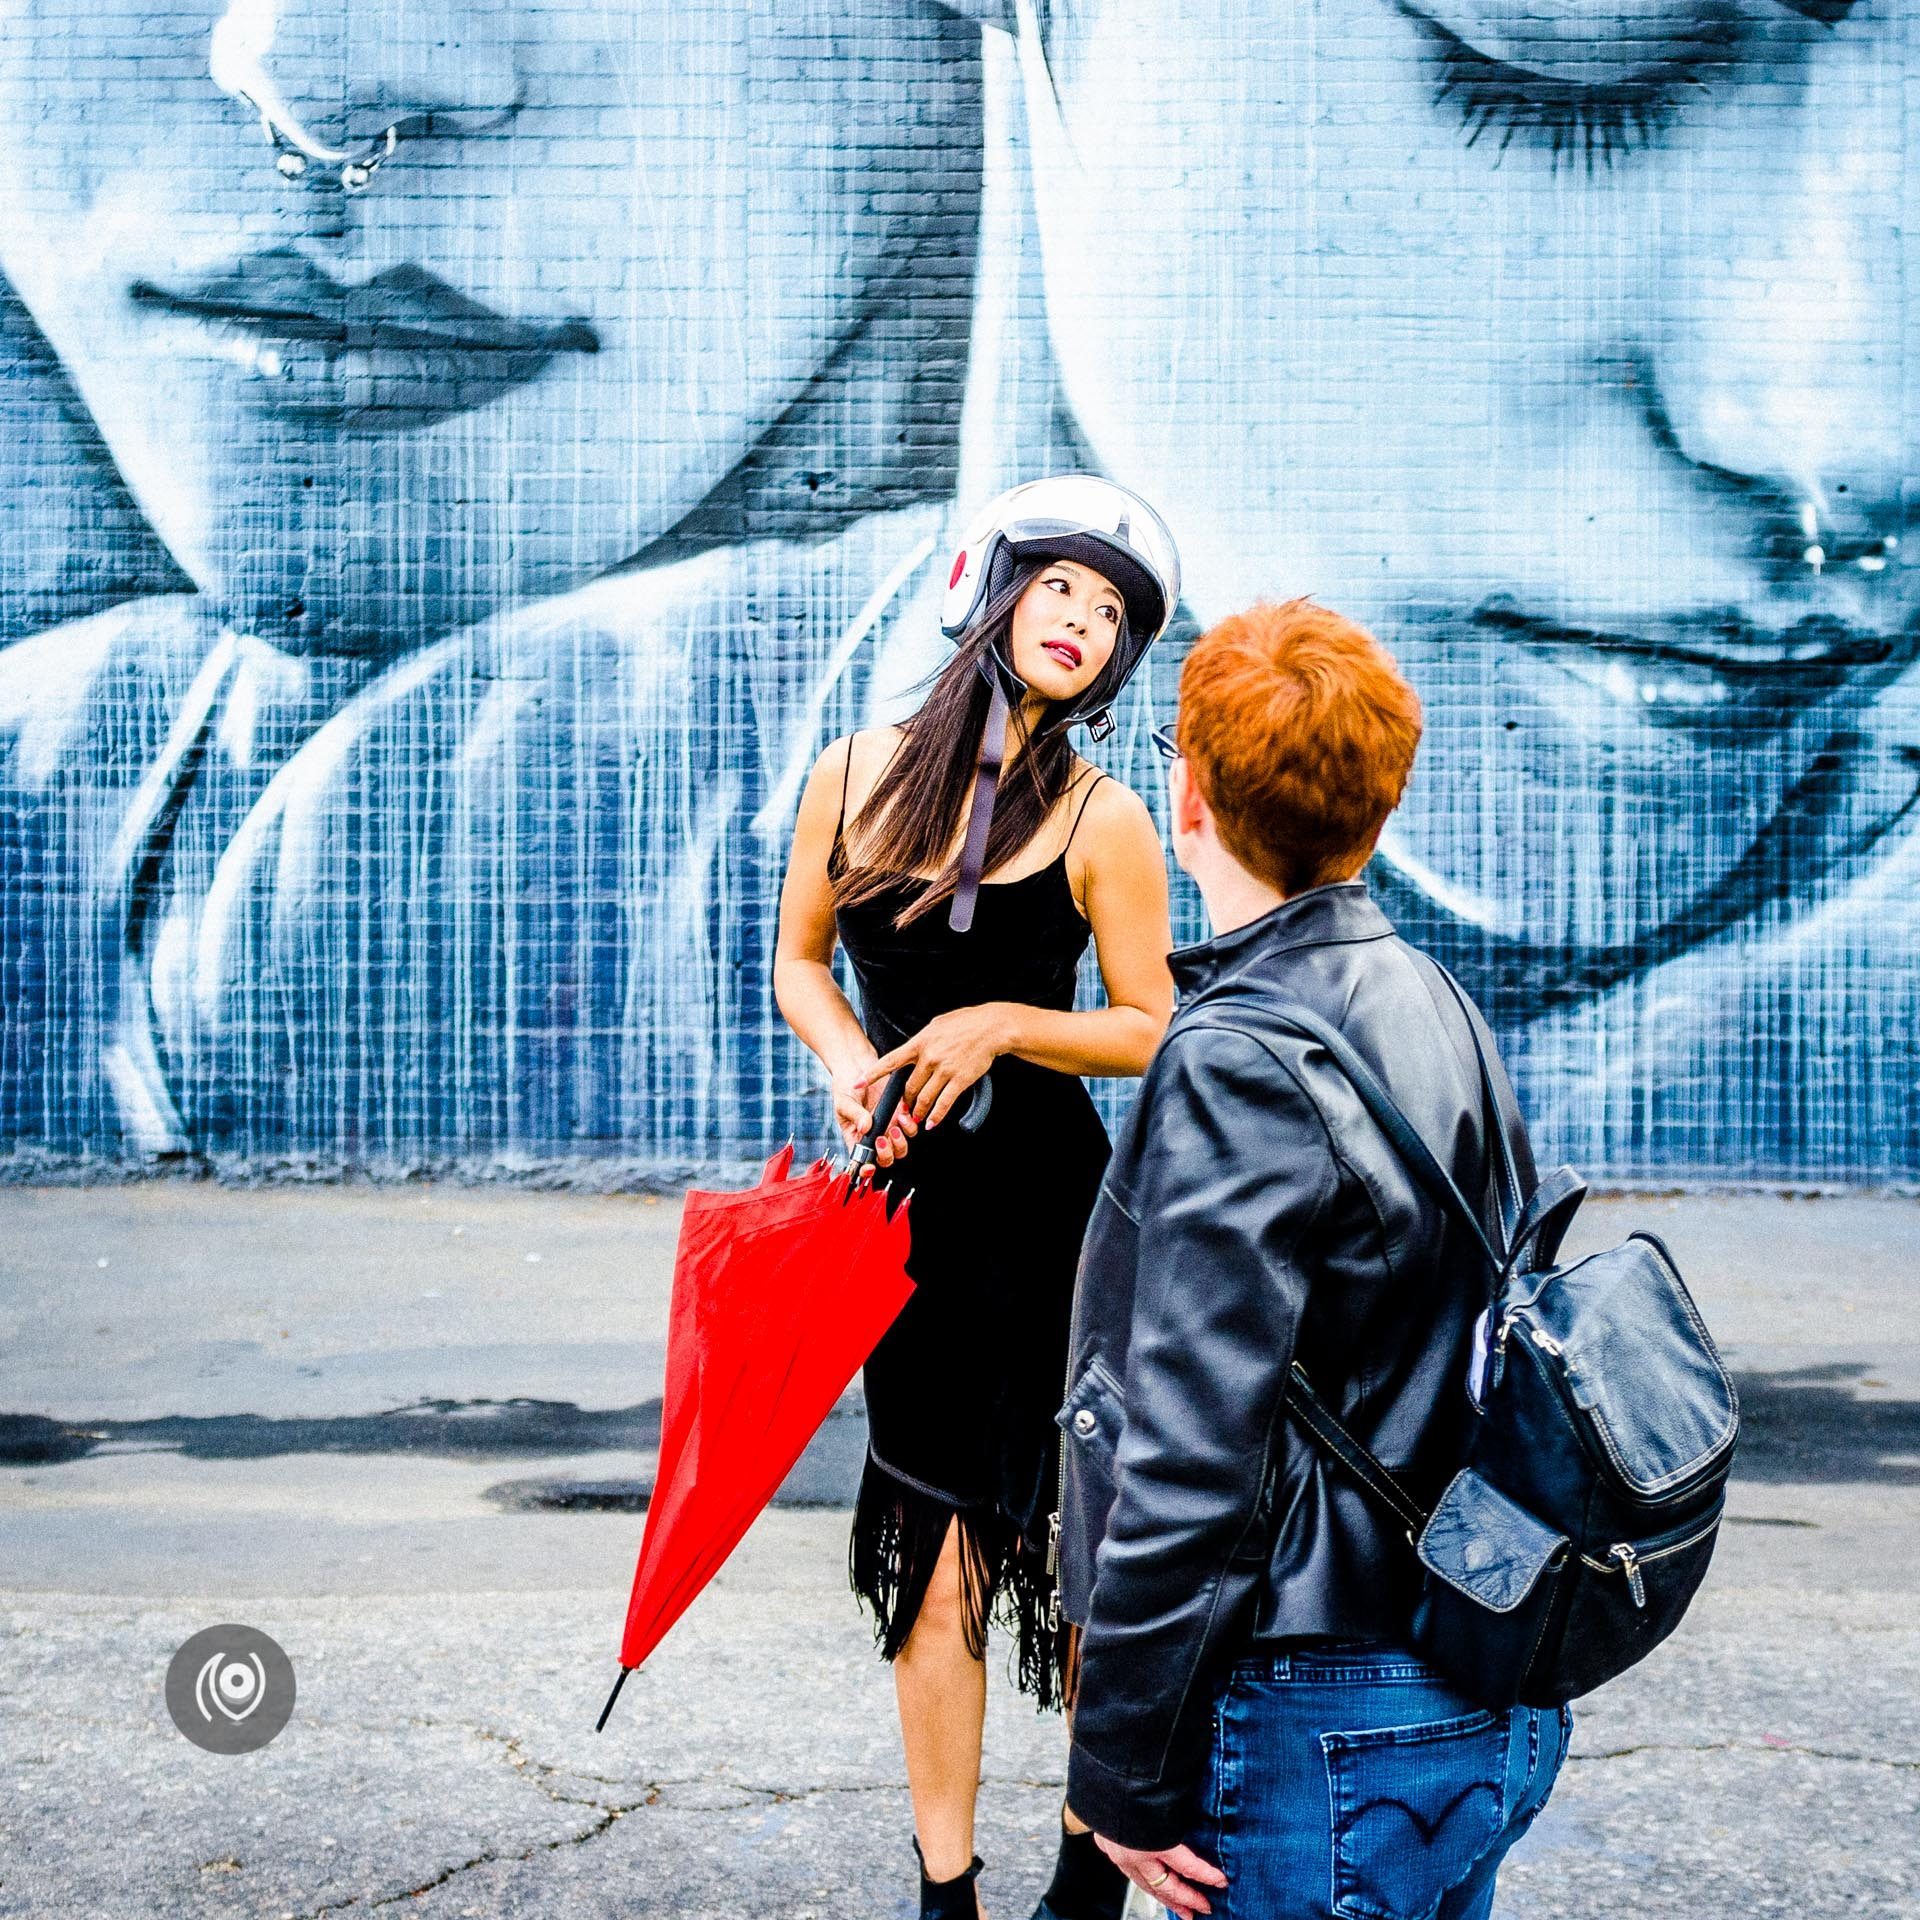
[{"x": 462, "y": 463}]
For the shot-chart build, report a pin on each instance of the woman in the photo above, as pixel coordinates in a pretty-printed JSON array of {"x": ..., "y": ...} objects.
[{"x": 1054, "y": 597}]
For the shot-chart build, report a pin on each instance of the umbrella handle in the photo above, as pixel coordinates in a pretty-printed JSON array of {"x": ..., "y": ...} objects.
[
  {"x": 979, "y": 1104},
  {"x": 882, "y": 1116}
]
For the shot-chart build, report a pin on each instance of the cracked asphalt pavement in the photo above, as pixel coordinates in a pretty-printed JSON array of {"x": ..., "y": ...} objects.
[{"x": 409, "y": 1432}]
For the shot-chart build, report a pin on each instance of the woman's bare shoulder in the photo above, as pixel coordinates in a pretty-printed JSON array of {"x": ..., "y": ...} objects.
[
  {"x": 861, "y": 751},
  {"x": 864, "y": 743},
  {"x": 1116, "y": 845},
  {"x": 1112, "y": 807},
  {"x": 855, "y": 762}
]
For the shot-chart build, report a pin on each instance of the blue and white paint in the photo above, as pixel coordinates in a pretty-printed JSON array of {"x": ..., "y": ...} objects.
[{"x": 462, "y": 463}]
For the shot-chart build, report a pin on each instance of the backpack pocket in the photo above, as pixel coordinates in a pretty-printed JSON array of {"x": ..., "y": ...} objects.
[
  {"x": 1626, "y": 1597},
  {"x": 1494, "y": 1575}
]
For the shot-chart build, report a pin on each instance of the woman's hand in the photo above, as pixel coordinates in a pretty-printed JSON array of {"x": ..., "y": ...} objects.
[
  {"x": 1174, "y": 1878},
  {"x": 851, "y": 1112},
  {"x": 947, "y": 1056}
]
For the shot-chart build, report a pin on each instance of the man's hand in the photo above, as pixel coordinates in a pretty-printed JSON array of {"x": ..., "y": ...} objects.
[{"x": 1174, "y": 1878}]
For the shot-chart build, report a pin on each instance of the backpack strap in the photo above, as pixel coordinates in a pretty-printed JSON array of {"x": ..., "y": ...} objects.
[
  {"x": 1512, "y": 1182},
  {"x": 1545, "y": 1219},
  {"x": 1331, "y": 1431},
  {"x": 1540, "y": 1221},
  {"x": 1535, "y": 1212}
]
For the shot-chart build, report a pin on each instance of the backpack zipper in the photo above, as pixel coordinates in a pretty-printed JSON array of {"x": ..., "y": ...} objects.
[
  {"x": 1498, "y": 1363},
  {"x": 1630, "y": 1566},
  {"x": 1588, "y": 1426},
  {"x": 1624, "y": 1557}
]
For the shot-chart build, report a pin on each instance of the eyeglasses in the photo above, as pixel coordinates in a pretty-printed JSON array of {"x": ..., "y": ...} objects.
[{"x": 1162, "y": 738}]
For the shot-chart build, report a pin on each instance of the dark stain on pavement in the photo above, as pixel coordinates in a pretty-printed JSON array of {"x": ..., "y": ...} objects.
[
  {"x": 1823, "y": 1425},
  {"x": 460, "y": 1429},
  {"x": 826, "y": 1475},
  {"x": 1813, "y": 1424}
]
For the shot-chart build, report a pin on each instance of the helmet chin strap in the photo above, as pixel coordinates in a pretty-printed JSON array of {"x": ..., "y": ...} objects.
[
  {"x": 973, "y": 849},
  {"x": 1007, "y": 685}
]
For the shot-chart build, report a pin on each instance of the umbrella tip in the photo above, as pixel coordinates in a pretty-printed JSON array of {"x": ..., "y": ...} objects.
[{"x": 611, "y": 1698}]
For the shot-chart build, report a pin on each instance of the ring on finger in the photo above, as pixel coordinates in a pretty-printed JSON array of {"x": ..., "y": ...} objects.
[{"x": 1166, "y": 1874}]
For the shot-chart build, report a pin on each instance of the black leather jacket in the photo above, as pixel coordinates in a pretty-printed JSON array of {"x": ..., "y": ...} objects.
[{"x": 1253, "y": 1214}]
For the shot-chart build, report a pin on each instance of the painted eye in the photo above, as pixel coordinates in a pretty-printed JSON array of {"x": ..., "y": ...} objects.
[{"x": 1581, "y": 122}]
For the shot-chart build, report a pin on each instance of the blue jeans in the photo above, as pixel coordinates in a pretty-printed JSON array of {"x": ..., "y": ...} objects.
[{"x": 1349, "y": 1779}]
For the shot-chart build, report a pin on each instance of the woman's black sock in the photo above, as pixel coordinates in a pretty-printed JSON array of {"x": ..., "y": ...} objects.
[
  {"x": 1086, "y": 1885},
  {"x": 952, "y": 1899}
]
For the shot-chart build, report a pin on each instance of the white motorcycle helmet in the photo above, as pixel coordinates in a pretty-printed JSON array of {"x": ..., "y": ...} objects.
[{"x": 1071, "y": 516}]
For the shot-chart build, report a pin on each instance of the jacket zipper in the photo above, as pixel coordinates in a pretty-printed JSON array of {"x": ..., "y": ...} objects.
[
  {"x": 1059, "y": 1513},
  {"x": 1059, "y": 1496}
]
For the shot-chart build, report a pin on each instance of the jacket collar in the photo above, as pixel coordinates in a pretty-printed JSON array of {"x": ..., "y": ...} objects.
[{"x": 1321, "y": 916}]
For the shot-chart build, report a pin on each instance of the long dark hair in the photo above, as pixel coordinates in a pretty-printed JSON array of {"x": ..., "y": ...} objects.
[{"x": 916, "y": 804}]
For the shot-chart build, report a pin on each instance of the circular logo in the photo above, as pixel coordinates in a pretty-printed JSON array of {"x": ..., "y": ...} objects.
[{"x": 230, "y": 1689}]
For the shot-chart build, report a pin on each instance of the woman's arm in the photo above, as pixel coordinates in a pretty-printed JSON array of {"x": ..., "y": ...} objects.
[
  {"x": 1123, "y": 887},
  {"x": 804, "y": 986},
  {"x": 1123, "y": 882}
]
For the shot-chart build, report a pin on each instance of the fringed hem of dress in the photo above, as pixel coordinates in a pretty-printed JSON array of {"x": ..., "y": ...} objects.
[{"x": 898, "y": 1532}]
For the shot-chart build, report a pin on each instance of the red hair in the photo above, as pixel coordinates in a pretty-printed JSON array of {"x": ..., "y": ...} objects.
[{"x": 1300, "y": 732}]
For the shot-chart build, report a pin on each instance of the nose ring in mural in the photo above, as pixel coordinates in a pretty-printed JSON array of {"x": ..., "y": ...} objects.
[
  {"x": 291, "y": 161},
  {"x": 236, "y": 57},
  {"x": 1824, "y": 546}
]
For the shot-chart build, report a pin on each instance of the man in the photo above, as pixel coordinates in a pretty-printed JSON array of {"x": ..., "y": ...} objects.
[{"x": 1252, "y": 1736}]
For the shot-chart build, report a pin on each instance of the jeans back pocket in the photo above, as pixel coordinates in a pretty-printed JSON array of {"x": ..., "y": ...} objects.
[{"x": 1413, "y": 1810}]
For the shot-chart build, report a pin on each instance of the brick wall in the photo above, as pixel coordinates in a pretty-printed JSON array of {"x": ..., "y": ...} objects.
[{"x": 429, "y": 564}]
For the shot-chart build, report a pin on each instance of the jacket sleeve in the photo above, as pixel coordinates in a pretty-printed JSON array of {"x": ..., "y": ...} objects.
[{"x": 1235, "y": 1168}]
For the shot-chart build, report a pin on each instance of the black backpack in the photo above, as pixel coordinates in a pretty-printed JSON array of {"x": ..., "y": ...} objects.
[{"x": 1580, "y": 1524}]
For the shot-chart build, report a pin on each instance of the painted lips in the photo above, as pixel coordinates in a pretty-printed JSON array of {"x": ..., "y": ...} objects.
[
  {"x": 390, "y": 353},
  {"x": 1708, "y": 667},
  {"x": 1062, "y": 650}
]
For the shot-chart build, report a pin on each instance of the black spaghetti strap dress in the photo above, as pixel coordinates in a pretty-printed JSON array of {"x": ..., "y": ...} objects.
[{"x": 962, "y": 1390}]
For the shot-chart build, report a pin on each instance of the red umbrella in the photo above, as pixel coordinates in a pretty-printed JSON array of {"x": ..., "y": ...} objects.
[{"x": 779, "y": 1293}]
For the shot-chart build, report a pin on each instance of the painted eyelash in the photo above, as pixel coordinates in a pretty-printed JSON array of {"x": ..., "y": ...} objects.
[{"x": 1575, "y": 123}]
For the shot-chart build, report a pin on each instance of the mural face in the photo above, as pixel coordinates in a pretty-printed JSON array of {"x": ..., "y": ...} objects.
[
  {"x": 544, "y": 438},
  {"x": 469, "y": 396},
  {"x": 1568, "y": 346},
  {"x": 608, "y": 248}
]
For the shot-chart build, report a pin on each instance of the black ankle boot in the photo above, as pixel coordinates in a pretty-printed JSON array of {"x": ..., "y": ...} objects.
[
  {"x": 952, "y": 1899},
  {"x": 1086, "y": 1885}
]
